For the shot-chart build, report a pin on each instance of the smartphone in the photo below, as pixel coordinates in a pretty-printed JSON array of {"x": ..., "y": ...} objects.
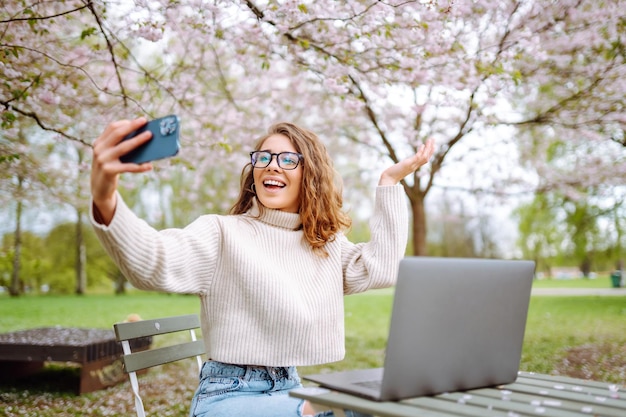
[{"x": 164, "y": 143}]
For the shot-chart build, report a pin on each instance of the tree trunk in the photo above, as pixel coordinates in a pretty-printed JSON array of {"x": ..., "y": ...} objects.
[
  {"x": 419, "y": 224},
  {"x": 585, "y": 266},
  {"x": 81, "y": 256},
  {"x": 120, "y": 282},
  {"x": 15, "y": 289}
]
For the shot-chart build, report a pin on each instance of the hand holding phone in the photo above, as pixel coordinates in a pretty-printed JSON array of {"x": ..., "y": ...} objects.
[{"x": 164, "y": 143}]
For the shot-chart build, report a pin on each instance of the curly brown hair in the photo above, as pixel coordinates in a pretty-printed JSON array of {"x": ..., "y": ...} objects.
[{"x": 320, "y": 198}]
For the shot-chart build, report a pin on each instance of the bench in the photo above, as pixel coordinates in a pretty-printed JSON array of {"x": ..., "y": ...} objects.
[{"x": 530, "y": 395}]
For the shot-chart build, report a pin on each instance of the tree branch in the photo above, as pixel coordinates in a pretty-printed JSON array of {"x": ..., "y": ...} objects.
[
  {"x": 374, "y": 119},
  {"x": 223, "y": 80},
  {"x": 28, "y": 19},
  {"x": 549, "y": 116},
  {"x": 111, "y": 51},
  {"x": 8, "y": 106}
]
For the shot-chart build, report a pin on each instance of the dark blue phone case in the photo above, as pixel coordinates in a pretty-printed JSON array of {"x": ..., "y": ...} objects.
[{"x": 164, "y": 143}]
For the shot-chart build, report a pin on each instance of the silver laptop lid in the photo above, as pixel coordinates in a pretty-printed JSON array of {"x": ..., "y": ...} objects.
[{"x": 456, "y": 324}]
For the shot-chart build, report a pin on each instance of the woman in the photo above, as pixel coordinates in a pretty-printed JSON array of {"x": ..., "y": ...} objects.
[{"x": 271, "y": 275}]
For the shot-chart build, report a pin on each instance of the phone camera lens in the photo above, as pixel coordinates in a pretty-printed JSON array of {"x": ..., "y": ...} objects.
[{"x": 168, "y": 126}]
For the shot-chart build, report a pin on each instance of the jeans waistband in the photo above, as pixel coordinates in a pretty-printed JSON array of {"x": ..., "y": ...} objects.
[{"x": 247, "y": 372}]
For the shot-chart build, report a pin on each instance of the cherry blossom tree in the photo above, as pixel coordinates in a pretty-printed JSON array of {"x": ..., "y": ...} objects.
[
  {"x": 457, "y": 71},
  {"x": 494, "y": 83}
]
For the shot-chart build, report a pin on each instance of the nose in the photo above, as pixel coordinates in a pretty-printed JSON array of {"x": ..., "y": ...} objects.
[{"x": 274, "y": 161}]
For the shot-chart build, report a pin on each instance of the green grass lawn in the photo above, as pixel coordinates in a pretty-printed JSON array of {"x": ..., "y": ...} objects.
[
  {"x": 555, "y": 324},
  {"x": 599, "y": 282},
  {"x": 582, "y": 336},
  {"x": 99, "y": 311}
]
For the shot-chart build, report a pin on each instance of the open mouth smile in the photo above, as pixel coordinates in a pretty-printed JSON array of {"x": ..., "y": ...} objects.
[{"x": 274, "y": 184}]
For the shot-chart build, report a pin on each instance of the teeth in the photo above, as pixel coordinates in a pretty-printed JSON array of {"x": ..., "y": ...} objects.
[{"x": 273, "y": 182}]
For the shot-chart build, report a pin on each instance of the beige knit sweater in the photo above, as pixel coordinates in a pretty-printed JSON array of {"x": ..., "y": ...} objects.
[{"x": 266, "y": 298}]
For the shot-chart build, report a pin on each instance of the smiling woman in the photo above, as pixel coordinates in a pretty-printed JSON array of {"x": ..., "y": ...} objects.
[
  {"x": 278, "y": 184},
  {"x": 271, "y": 275},
  {"x": 291, "y": 171}
]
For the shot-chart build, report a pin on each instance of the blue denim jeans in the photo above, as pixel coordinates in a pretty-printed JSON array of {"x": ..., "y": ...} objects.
[{"x": 227, "y": 390}]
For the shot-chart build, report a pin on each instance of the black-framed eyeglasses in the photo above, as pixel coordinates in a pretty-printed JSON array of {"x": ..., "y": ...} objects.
[{"x": 285, "y": 160}]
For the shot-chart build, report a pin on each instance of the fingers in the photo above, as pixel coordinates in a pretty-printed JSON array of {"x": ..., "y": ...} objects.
[
  {"x": 421, "y": 157},
  {"x": 426, "y": 151},
  {"x": 111, "y": 144},
  {"x": 107, "y": 150},
  {"x": 397, "y": 172}
]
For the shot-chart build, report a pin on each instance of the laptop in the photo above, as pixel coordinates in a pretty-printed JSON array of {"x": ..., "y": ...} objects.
[{"x": 456, "y": 324}]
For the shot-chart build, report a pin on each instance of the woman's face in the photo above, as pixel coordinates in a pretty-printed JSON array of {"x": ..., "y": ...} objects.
[{"x": 278, "y": 188}]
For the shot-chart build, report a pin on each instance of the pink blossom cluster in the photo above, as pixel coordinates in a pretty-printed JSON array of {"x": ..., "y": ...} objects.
[{"x": 383, "y": 74}]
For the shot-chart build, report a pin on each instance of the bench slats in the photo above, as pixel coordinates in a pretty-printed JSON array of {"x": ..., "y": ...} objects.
[
  {"x": 451, "y": 408},
  {"x": 530, "y": 395},
  {"x": 548, "y": 399},
  {"x": 148, "y": 358},
  {"x": 126, "y": 331}
]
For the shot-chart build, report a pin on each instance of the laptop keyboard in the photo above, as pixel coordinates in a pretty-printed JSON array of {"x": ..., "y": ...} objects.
[{"x": 375, "y": 384}]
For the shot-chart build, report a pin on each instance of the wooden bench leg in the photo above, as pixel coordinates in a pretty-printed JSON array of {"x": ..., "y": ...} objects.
[{"x": 101, "y": 374}]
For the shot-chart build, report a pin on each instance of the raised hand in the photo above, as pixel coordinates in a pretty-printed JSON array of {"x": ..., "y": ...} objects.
[
  {"x": 106, "y": 165},
  {"x": 396, "y": 172}
]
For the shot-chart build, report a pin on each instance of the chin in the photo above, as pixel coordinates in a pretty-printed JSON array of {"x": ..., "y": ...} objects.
[{"x": 274, "y": 205}]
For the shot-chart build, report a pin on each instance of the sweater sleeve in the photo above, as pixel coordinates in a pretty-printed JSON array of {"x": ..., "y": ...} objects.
[
  {"x": 374, "y": 264},
  {"x": 171, "y": 260}
]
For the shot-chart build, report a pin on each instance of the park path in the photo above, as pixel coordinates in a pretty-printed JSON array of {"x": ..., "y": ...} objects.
[{"x": 579, "y": 291}]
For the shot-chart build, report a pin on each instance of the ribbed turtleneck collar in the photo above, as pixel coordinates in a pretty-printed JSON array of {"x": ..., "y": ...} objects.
[{"x": 274, "y": 217}]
